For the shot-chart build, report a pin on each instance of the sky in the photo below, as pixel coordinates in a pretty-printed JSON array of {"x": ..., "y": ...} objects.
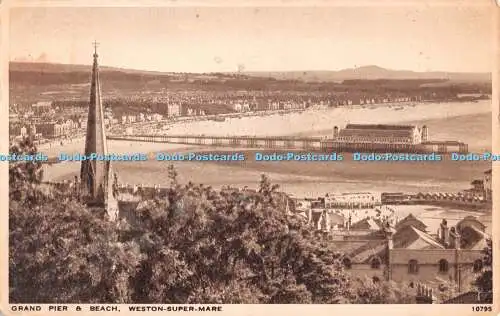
[{"x": 212, "y": 39}]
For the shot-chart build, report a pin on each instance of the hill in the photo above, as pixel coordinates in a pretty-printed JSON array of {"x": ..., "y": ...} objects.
[
  {"x": 361, "y": 73},
  {"x": 373, "y": 73},
  {"x": 23, "y": 66},
  {"x": 32, "y": 81}
]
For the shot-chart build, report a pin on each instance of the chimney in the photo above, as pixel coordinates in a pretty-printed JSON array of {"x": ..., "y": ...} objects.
[
  {"x": 424, "y": 295},
  {"x": 454, "y": 239},
  {"x": 425, "y": 133},
  {"x": 327, "y": 221},
  {"x": 335, "y": 132},
  {"x": 444, "y": 236},
  {"x": 319, "y": 222},
  {"x": 389, "y": 233}
]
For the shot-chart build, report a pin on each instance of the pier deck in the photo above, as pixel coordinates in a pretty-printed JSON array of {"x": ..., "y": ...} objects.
[{"x": 322, "y": 144}]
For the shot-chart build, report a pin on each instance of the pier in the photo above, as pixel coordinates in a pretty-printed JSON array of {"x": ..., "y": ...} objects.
[{"x": 322, "y": 144}]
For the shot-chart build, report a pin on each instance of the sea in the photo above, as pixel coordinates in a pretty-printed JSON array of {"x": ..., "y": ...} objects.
[{"x": 469, "y": 122}]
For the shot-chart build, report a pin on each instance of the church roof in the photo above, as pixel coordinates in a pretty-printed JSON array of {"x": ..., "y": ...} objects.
[
  {"x": 423, "y": 241},
  {"x": 407, "y": 237},
  {"x": 366, "y": 223},
  {"x": 410, "y": 219},
  {"x": 473, "y": 238},
  {"x": 369, "y": 250},
  {"x": 470, "y": 221}
]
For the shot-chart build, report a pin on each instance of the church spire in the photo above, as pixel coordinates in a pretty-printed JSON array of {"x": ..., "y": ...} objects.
[
  {"x": 95, "y": 49},
  {"x": 95, "y": 172}
]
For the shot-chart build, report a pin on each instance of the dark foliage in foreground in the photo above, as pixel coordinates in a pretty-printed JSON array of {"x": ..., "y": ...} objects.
[
  {"x": 484, "y": 281},
  {"x": 198, "y": 245}
]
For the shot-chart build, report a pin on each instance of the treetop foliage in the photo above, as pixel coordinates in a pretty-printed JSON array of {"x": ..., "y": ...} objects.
[{"x": 197, "y": 245}]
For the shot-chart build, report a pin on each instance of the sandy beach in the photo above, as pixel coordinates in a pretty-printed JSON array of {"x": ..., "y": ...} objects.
[
  {"x": 317, "y": 122},
  {"x": 471, "y": 122}
]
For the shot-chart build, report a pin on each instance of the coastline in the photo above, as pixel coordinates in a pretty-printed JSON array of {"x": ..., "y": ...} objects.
[
  {"x": 301, "y": 178},
  {"x": 312, "y": 122}
]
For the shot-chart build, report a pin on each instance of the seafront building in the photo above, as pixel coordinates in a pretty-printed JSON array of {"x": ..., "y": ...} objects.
[{"x": 381, "y": 134}]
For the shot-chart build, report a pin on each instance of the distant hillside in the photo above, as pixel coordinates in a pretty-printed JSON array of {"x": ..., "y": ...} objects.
[
  {"x": 372, "y": 73},
  {"x": 43, "y": 74},
  {"x": 16, "y": 66},
  {"x": 31, "y": 81},
  {"x": 361, "y": 73}
]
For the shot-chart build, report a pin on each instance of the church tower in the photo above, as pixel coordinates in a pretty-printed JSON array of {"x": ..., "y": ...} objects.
[{"x": 96, "y": 185}]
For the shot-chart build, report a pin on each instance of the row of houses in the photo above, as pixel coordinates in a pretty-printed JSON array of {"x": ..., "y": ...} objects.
[
  {"x": 141, "y": 117},
  {"x": 51, "y": 129},
  {"x": 178, "y": 103}
]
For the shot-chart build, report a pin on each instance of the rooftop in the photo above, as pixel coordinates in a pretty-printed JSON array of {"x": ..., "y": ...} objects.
[
  {"x": 443, "y": 142},
  {"x": 380, "y": 127},
  {"x": 376, "y": 132}
]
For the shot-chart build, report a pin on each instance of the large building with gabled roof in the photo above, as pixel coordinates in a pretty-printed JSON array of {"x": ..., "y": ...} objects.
[
  {"x": 382, "y": 133},
  {"x": 408, "y": 253}
]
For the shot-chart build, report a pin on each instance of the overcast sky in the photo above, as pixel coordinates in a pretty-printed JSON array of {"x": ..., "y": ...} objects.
[{"x": 270, "y": 39}]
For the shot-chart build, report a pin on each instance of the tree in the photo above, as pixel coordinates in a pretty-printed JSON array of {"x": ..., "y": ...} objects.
[
  {"x": 198, "y": 245},
  {"x": 484, "y": 282},
  {"x": 172, "y": 175},
  {"x": 24, "y": 177},
  {"x": 289, "y": 292},
  {"x": 59, "y": 250},
  {"x": 234, "y": 239},
  {"x": 369, "y": 291}
]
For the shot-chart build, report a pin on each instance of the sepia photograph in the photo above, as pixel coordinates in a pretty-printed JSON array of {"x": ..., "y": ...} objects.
[{"x": 251, "y": 155}]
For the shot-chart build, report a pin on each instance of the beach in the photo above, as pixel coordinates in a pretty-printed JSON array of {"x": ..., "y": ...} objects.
[
  {"x": 321, "y": 122},
  {"x": 317, "y": 121},
  {"x": 469, "y": 122}
]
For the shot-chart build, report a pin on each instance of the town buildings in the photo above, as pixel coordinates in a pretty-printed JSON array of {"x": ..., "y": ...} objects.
[
  {"x": 174, "y": 110},
  {"x": 56, "y": 129},
  {"x": 42, "y": 107}
]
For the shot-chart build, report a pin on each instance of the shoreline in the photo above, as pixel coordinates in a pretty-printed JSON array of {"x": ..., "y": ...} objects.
[
  {"x": 301, "y": 178},
  {"x": 317, "y": 122}
]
